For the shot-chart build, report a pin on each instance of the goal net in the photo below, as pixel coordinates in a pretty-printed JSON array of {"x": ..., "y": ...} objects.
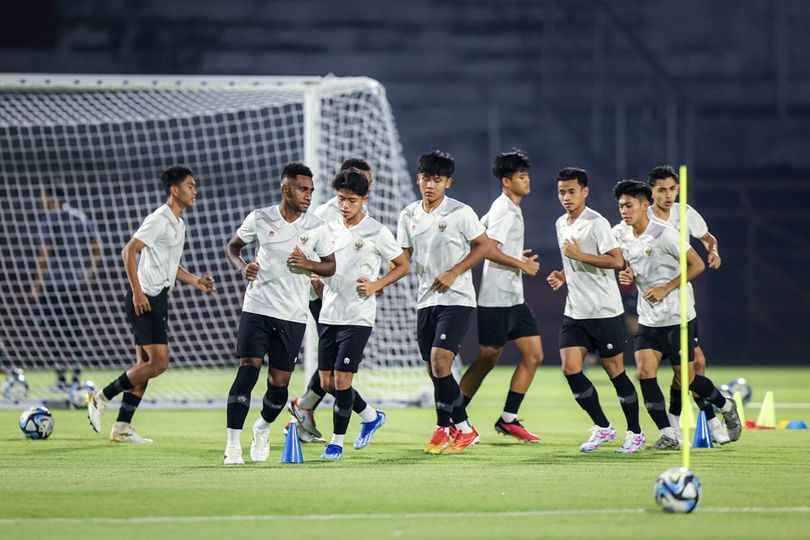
[{"x": 99, "y": 144}]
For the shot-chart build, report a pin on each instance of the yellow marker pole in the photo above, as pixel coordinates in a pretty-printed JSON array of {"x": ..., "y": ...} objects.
[{"x": 686, "y": 395}]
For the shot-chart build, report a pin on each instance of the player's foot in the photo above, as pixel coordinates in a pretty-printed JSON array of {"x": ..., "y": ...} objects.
[
  {"x": 599, "y": 436},
  {"x": 260, "y": 445},
  {"x": 516, "y": 430},
  {"x": 462, "y": 441},
  {"x": 665, "y": 443},
  {"x": 95, "y": 409},
  {"x": 122, "y": 432},
  {"x": 732, "y": 418},
  {"x": 367, "y": 430},
  {"x": 333, "y": 452},
  {"x": 305, "y": 436},
  {"x": 675, "y": 423},
  {"x": 233, "y": 455},
  {"x": 438, "y": 442},
  {"x": 719, "y": 431},
  {"x": 305, "y": 417},
  {"x": 633, "y": 442}
]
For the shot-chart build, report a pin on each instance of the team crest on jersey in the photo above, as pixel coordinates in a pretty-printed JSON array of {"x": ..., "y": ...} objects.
[
  {"x": 648, "y": 251},
  {"x": 271, "y": 233},
  {"x": 442, "y": 226},
  {"x": 358, "y": 245},
  {"x": 304, "y": 239}
]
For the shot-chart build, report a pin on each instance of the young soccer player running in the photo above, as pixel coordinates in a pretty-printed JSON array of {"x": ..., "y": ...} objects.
[
  {"x": 274, "y": 312},
  {"x": 303, "y": 408},
  {"x": 159, "y": 241},
  {"x": 664, "y": 182},
  {"x": 652, "y": 250},
  {"x": 445, "y": 239},
  {"x": 594, "y": 315},
  {"x": 503, "y": 314},
  {"x": 350, "y": 305}
]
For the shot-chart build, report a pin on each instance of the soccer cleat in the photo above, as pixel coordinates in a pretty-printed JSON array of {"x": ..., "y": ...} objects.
[
  {"x": 333, "y": 452},
  {"x": 665, "y": 443},
  {"x": 305, "y": 436},
  {"x": 95, "y": 409},
  {"x": 367, "y": 430},
  {"x": 516, "y": 430},
  {"x": 732, "y": 418},
  {"x": 233, "y": 455},
  {"x": 599, "y": 436},
  {"x": 438, "y": 442},
  {"x": 305, "y": 417},
  {"x": 260, "y": 445},
  {"x": 719, "y": 432},
  {"x": 675, "y": 423},
  {"x": 462, "y": 441},
  {"x": 122, "y": 432},
  {"x": 633, "y": 442}
]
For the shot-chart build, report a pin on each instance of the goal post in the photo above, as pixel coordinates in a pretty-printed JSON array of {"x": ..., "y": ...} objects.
[{"x": 100, "y": 142}]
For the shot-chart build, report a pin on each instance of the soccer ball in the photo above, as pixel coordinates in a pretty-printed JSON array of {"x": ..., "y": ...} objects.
[
  {"x": 677, "y": 490},
  {"x": 79, "y": 394},
  {"x": 741, "y": 385},
  {"x": 36, "y": 423}
]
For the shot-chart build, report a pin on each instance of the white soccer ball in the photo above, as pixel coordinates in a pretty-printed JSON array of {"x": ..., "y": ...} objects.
[
  {"x": 36, "y": 423},
  {"x": 677, "y": 490}
]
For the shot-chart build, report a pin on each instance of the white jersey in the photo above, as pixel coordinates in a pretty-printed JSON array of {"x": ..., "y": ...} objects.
[
  {"x": 280, "y": 291},
  {"x": 654, "y": 258},
  {"x": 440, "y": 240},
  {"x": 592, "y": 292},
  {"x": 359, "y": 252},
  {"x": 164, "y": 236},
  {"x": 501, "y": 285},
  {"x": 694, "y": 221}
]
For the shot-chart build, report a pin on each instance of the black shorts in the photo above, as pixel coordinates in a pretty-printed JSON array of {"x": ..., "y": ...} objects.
[
  {"x": 280, "y": 340},
  {"x": 603, "y": 336},
  {"x": 340, "y": 347},
  {"x": 315, "y": 308},
  {"x": 666, "y": 340},
  {"x": 151, "y": 327},
  {"x": 443, "y": 327},
  {"x": 497, "y": 325}
]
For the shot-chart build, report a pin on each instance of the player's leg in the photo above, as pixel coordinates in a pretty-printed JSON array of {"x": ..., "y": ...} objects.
[
  {"x": 425, "y": 334},
  {"x": 122, "y": 430},
  {"x": 493, "y": 328},
  {"x": 303, "y": 408},
  {"x": 647, "y": 360}
]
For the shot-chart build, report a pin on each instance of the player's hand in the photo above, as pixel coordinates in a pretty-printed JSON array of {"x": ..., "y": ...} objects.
[
  {"x": 626, "y": 276},
  {"x": 36, "y": 292},
  {"x": 297, "y": 259},
  {"x": 530, "y": 264},
  {"x": 141, "y": 303},
  {"x": 572, "y": 250},
  {"x": 556, "y": 279},
  {"x": 251, "y": 271},
  {"x": 655, "y": 294},
  {"x": 206, "y": 284},
  {"x": 443, "y": 282},
  {"x": 366, "y": 287},
  {"x": 714, "y": 260}
]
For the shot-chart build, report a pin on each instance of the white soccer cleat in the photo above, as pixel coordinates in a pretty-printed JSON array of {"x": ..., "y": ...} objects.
[
  {"x": 305, "y": 417},
  {"x": 633, "y": 442},
  {"x": 233, "y": 455},
  {"x": 599, "y": 436},
  {"x": 719, "y": 431},
  {"x": 260, "y": 446},
  {"x": 675, "y": 423},
  {"x": 95, "y": 410},
  {"x": 122, "y": 432}
]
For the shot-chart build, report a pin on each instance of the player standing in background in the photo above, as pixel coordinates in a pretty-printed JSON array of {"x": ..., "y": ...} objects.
[
  {"x": 445, "y": 239},
  {"x": 503, "y": 314},
  {"x": 594, "y": 315},
  {"x": 652, "y": 251},
  {"x": 160, "y": 241},
  {"x": 274, "y": 313}
]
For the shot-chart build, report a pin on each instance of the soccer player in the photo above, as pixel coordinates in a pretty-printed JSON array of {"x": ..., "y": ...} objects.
[
  {"x": 652, "y": 249},
  {"x": 303, "y": 408},
  {"x": 664, "y": 182},
  {"x": 445, "y": 239},
  {"x": 350, "y": 305},
  {"x": 594, "y": 315},
  {"x": 289, "y": 243},
  {"x": 159, "y": 240},
  {"x": 503, "y": 314}
]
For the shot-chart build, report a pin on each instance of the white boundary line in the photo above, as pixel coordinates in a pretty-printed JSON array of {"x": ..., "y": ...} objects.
[{"x": 387, "y": 516}]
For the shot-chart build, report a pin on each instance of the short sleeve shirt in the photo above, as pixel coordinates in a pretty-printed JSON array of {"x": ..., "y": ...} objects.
[
  {"x": 501, "y": 285},
  {"x": 164, "y": 236},
  {"x": 694, "y": 221}
]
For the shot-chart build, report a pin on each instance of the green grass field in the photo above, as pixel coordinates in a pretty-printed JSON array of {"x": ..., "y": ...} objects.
[{"x": 79, "y": 485}]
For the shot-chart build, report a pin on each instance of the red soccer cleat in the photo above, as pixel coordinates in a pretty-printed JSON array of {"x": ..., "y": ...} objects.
[
  {"x": 514, "y": 429},
  {"x": 462, "y": 441},
  {"x": 438, "y": 442}
]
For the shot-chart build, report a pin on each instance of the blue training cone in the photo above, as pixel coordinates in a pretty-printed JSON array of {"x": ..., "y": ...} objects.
[
  {"x": 703, "y": 437},
  {"x": 796, "y": 424},
  {"x": 292, "y": 446}
]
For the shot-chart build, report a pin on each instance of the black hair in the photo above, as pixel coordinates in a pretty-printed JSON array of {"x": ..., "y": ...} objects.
[
  {"x": 573, "y": 173},
  {"x": 355, "y": 163},
  {"x": 291, "y": 170},
  {"x": 437, "y": 163},
  {"x": 662, "y": 172},
  {"x": 633, "y": 188},
  {"x": 508, "y": 163},
  {"x": 174, "y": 176},
  {"x": 352, "y": 180},
  {"x": 54, "y": 191}
]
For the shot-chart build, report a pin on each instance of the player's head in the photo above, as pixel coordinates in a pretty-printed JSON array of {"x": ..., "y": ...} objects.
[
  {"x": 435, "y": 174},
  {"x": 572, "y": 188},
  {"x": 297, "y": 186},
  {"x": 352, "y": 192},
  {"x": 664, "y": 182},
  {"x": 512, "y": 171},
  {"x": 634, "y": 198},
  {"x": 179, "y": 183},
  {"x": 51, "y": 196},
  {"x": 359, "y": 164}
]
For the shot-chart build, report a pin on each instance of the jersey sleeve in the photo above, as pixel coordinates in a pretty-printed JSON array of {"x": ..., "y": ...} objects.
[
  {"x": 605, "y": 239},
  {"x": 324, "y": 244},
  {"x": 498, "y": 225},
  {"x": 469, "y": 224},
  {"x": 696, "y": 223},
  {"x": 150, "y": 229},
  {"x": 671, "y": 243},
  {"x": 387, "y": 245},
  {"x": 247, "y": 230},
  {"x": 403, "y": 235}
]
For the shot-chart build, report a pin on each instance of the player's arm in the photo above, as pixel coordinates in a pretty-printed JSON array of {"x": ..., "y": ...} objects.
[
  {"x": 204, "y": 283},
  {"x": 129, "y": 255},
  {"x": 479, "y": 247},
  {"x": 43, "y": 254},
  {"x": 694, "y": 267},
  {"x": 709, "y": 241},
  {"x": 324, "y": 268},
  {"x": 249, "y": 271},
  {"x": 398, "y": 267},
  {"x": 527, "y": 264},
  {"x": 95, "y": 258},
  {"x": 612, "y": 260}
]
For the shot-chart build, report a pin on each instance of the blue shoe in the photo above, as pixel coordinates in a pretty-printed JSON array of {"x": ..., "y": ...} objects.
[
  {"x": 332, "y": 452},
  {"x": 367, "y": 430}
]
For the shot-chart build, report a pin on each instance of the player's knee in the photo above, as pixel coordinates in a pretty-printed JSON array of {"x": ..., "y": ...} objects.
[
  {"x": 533, "y": 359},
  {"x": 343, "y": 380},
  {"x": 700, "y": 362}
]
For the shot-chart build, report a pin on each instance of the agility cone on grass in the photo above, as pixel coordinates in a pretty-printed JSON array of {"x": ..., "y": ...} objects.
[
  {"x": 292, "y": 446},
  {"x": 767, "y": 415},
  {"x": 703, "y": 437},
  {"x": 796, "y": 424},
  {"x": 740, "y": 406}
]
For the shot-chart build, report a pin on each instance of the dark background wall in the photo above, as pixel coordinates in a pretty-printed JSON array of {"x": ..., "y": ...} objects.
[{"x": 616, "y": 87}]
